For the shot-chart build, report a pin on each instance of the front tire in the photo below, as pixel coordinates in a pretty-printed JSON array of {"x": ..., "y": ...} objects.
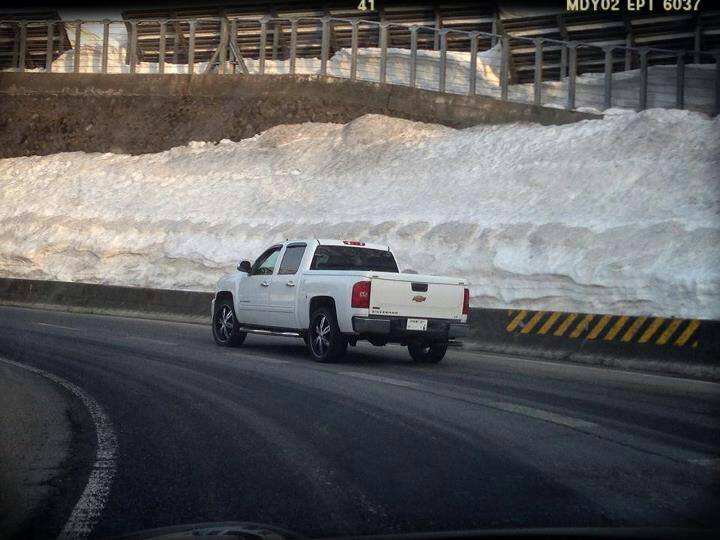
[
  {"x": 428, "y": 354},
  {"x": 325, "y": 341},
  {"x": 226, "y": 330}
]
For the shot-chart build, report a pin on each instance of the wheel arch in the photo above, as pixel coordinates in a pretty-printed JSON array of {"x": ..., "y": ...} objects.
[
  {"x": 320, "y": 301},
  {"x": 223, "y": 295}
]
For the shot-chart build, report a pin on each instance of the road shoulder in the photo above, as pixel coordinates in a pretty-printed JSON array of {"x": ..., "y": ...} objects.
[{"x": 44, "y": 443}]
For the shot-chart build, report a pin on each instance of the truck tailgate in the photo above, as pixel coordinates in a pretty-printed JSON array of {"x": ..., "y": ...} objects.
[{"x": 408, "y": 295}]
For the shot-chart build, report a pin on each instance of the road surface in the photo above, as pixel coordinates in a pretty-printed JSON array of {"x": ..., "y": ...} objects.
[{"x": 375, "y": 444}]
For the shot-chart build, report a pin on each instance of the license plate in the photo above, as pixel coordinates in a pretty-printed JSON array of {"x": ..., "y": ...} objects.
[{"x": 417, "y": 324}]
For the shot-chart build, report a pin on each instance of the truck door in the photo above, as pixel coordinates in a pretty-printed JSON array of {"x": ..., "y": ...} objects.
[
  {"x": 283, "y": 287},
  {"x": 253, "y": 297}
]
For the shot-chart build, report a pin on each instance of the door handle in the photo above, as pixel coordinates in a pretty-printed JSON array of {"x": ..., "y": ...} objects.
[
  {"x": 265, "y": 283},
  {"x": 290, "y": 283}
]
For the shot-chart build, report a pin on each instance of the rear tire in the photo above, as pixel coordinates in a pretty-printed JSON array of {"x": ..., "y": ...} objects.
[
  {"x": 226, "y": 330},
  {"x": 428, "y": 354},
  {"x": 325, "y": 341}
]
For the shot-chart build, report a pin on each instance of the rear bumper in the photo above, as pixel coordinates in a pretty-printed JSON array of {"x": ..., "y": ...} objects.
[{"x": 395, "y": 328}]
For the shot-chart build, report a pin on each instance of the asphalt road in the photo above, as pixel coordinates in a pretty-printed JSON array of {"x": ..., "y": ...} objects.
[{"x": 375, "y": 444}]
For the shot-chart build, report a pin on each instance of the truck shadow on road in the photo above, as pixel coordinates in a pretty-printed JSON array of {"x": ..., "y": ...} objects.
[{"x": 360, "y": 355}]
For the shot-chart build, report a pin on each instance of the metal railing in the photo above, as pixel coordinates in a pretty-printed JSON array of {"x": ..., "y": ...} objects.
[{"x": 443, "y": 60}]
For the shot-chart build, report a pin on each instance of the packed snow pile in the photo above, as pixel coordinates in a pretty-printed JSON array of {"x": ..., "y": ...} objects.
[{"x": 620, "y": 215}]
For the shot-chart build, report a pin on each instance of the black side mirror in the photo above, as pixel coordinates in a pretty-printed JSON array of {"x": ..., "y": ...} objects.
[{"x": 244, "y": 266}]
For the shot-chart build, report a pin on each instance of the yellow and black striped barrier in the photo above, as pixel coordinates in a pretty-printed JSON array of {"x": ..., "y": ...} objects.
[
  {"x": 610, "y": 328},
  {"x": 596, "y": 337}
]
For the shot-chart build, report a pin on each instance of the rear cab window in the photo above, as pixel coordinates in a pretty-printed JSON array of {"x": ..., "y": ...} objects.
[{"x": 353, "y": 258}]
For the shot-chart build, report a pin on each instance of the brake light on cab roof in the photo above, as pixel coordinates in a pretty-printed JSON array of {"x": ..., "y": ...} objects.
[{"x": 353, "y": 243}]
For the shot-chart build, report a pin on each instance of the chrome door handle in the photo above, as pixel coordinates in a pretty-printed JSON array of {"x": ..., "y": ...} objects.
[
  {"x": 265, "y": 283},
  {"x": 290, "y": 283}
]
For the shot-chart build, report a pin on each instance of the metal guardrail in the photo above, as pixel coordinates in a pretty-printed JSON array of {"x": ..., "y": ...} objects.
[{"x": 228, "y": 55}]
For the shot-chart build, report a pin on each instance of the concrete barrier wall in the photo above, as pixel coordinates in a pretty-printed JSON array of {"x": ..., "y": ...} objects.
[
  {"x": 684, "y": 346},
  {"x": 185, "y": 306},
  {"x": 43, "y": 113}
]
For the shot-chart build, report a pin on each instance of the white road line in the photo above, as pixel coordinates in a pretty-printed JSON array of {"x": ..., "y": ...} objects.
[
  {"x": 255, "y": 357},
  {"x": 87, "y": 510},
  {"x": 541, "y": 414},
  {"x": 712, "y": 463},
  {"x": 268, "y": 360},
  {"x": 378, "y": 378},
  {"x": 56, "y": 326},
  {"x": 265, "y": 359},
  {"x": 151, "y": 340}
]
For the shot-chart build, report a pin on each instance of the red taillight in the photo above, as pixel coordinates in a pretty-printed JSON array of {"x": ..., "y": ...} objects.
[
  {"x": 361, "y": 295},
  {"x": 466, "y": 302},
  {"x": 353, "y": 243}
]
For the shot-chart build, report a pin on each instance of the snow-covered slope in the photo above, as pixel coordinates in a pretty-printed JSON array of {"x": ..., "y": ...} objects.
[{"x": 613, "y": 215}]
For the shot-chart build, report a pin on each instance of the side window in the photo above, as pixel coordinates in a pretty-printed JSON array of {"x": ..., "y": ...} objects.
[
  {"x": 291, "y": 260},
  {"x": 265, "y": 264}
]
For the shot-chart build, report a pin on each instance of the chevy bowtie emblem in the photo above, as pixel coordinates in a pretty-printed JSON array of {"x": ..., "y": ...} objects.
[{"x": 418, "y": 298}]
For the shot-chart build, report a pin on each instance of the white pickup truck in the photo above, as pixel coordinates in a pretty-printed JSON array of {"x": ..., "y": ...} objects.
[{"x": 333, "y": 293}]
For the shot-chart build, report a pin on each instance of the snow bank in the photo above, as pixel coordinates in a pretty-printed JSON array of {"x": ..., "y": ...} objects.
[{"x": 620, "y": 215}]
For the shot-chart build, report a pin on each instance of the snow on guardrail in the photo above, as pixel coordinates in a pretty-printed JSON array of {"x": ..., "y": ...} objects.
[{"x": 699, "y": 82}]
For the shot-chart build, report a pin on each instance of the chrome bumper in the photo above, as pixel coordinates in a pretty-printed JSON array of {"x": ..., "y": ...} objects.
[{"x": 397, "y": 326}]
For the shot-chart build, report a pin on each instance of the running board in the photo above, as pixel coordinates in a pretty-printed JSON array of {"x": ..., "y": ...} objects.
[{"x": 269, "y": 332}]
